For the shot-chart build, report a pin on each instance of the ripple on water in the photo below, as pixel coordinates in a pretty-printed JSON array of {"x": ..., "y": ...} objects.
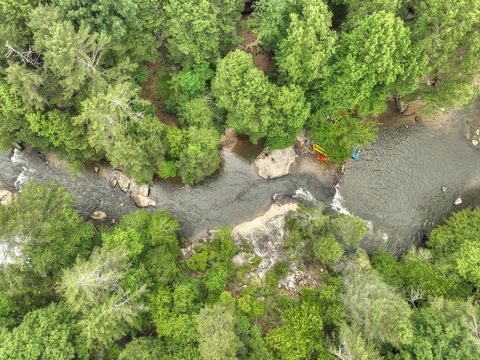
[{"x": 397, "y": 183}]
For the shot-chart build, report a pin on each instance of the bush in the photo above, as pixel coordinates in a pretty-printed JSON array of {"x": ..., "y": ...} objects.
[
  {"x": 349, "y": 230},
  {"x": 327, "y": 249}
]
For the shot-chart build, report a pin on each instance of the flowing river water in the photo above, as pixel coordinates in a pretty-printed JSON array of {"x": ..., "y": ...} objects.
[{"x": 395, "y": 186}]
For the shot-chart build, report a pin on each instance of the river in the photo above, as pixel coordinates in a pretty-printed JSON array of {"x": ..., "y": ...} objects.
[
  {"x": 395, "y": 186},
  {"x": 397, "y": 183}
]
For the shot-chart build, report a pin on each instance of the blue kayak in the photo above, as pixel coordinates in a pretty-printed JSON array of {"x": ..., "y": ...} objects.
[{"x": 356, "y": 154}]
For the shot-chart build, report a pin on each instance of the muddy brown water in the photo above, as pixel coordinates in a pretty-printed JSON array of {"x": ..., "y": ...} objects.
[{"x": 395, "y": 186}]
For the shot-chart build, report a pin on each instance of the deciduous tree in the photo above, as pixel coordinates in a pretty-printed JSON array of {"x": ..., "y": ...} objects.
[
  {"x": 380, "y": 313},
  {"x": 216, "y": 333}
]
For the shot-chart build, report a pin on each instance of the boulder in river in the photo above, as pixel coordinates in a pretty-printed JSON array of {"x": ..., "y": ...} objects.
[
  {"x": 123, "y": 182},
  {"x": 474, "y": 142},
  {"x": 143, "y": 201},
  {"x": 143, "y": 189},
  {"x": 458, "y": 201},
  {"x": 276, "y": 163},
  {"x": 264, "y": 234},
  {"x": 99, "y": 215},
  {"x": 6, "y": 197}
]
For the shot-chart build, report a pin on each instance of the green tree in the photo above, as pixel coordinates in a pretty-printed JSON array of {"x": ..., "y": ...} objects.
[
  {"x": 94, "y": 289},
  {"x": 197, "y": 112},
  {"x": 365, "y": 73},
  {"x": 156, "y": 235},
  {"x": 419, "y": 277},
  {"x": 70, "y": 55},
  {"x": 358, "y": 9},
  {"x": 188, "y": 84},
  {"x": 90, "y": 283},
  {"x": 174, "y": 313},
  {"x": 200, "y": 157},
  {"x": 327, "y": 249},
  {"x": 244, "y": 92},
  {"x": 271, "y": 19},
  {"x": 106, "y": 114},
  {"x": 301, "y": 334},
  {"x": 132, "y": 25},
  {"x": 380, "y": 313},
  {"x": 290, "y": 112},
  {"x": 42, "y": 229},
  {"x": 447, "y": 34},
  {"x": 48, "y": 333},
  {"x": 216, "y": 333},
  {"x": 349, "y": 230},
  {"x": 143, "y": 348},
  {"x": 140, "y": 151},
  {"x": 340, "y": 136},
  {"x": 456, "y": 245},
  {"x": 13, "y": 17},
  {"x": 12, "y": 112},
  {"x": 354, "y": 346},
  {"x": 211, "y": 27},
  {"x": 444, "y": 330},
  {"x": 59, "y": 130},
  {"x": 26, "y": 83},
  {"x": 304, "y": 53}
]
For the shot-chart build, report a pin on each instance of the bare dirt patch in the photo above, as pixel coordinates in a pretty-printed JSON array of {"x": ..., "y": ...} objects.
[
  {"x": 263, "y": 60},
  {"x": 149, "y": 93}
]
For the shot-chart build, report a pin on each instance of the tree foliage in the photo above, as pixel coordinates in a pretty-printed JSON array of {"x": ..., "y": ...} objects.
[
  {"x": 42, "y": 229},
  {"x": 380, "y": 313},
  {"x": 48, "y": 333},
  {"x": 364, "y": 74},
  {"x": 456, "y": 243},
  {"x": 200, "y": 31},
  {"x": 447, "y": 35},
  {"x": 216, "y": 333},
  {"x": 445, "y": 329},
  {"x": 304, "y": 53}
]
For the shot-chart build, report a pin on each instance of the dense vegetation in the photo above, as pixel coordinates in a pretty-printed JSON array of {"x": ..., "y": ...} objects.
[
  {"x": 74, "y": 75},
  {"x": 69, "y": 290}
]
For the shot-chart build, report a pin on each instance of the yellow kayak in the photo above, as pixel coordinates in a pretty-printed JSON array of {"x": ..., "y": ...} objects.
[{"x": 319, "y": 149}]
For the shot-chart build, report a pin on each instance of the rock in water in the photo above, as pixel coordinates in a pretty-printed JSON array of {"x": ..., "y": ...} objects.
[
  {"x": 143, "y": 201},
  {"x": 276, "y": 163},
  {"x": 458, "y": 201},
  {"x": 99, "y": 215},
  {"x": 113, "y": 181},
  {"x": 474, "y": 142},
  {"x": 143, "y": 189},
  {"x": 6, "y": 197},
  {"x": 123, "y": 182}
]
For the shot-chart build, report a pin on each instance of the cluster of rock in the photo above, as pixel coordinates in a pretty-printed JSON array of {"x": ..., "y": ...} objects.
[
  {"x": 475, "y": 137},
  {"x": 138, "y": 193},
  {"x": 264, "y": 234}
]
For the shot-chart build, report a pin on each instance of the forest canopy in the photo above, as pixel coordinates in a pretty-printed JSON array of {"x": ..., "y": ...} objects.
[
  {"x": 136, "y": 290},
  {"x": 76, "y": 76}
]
